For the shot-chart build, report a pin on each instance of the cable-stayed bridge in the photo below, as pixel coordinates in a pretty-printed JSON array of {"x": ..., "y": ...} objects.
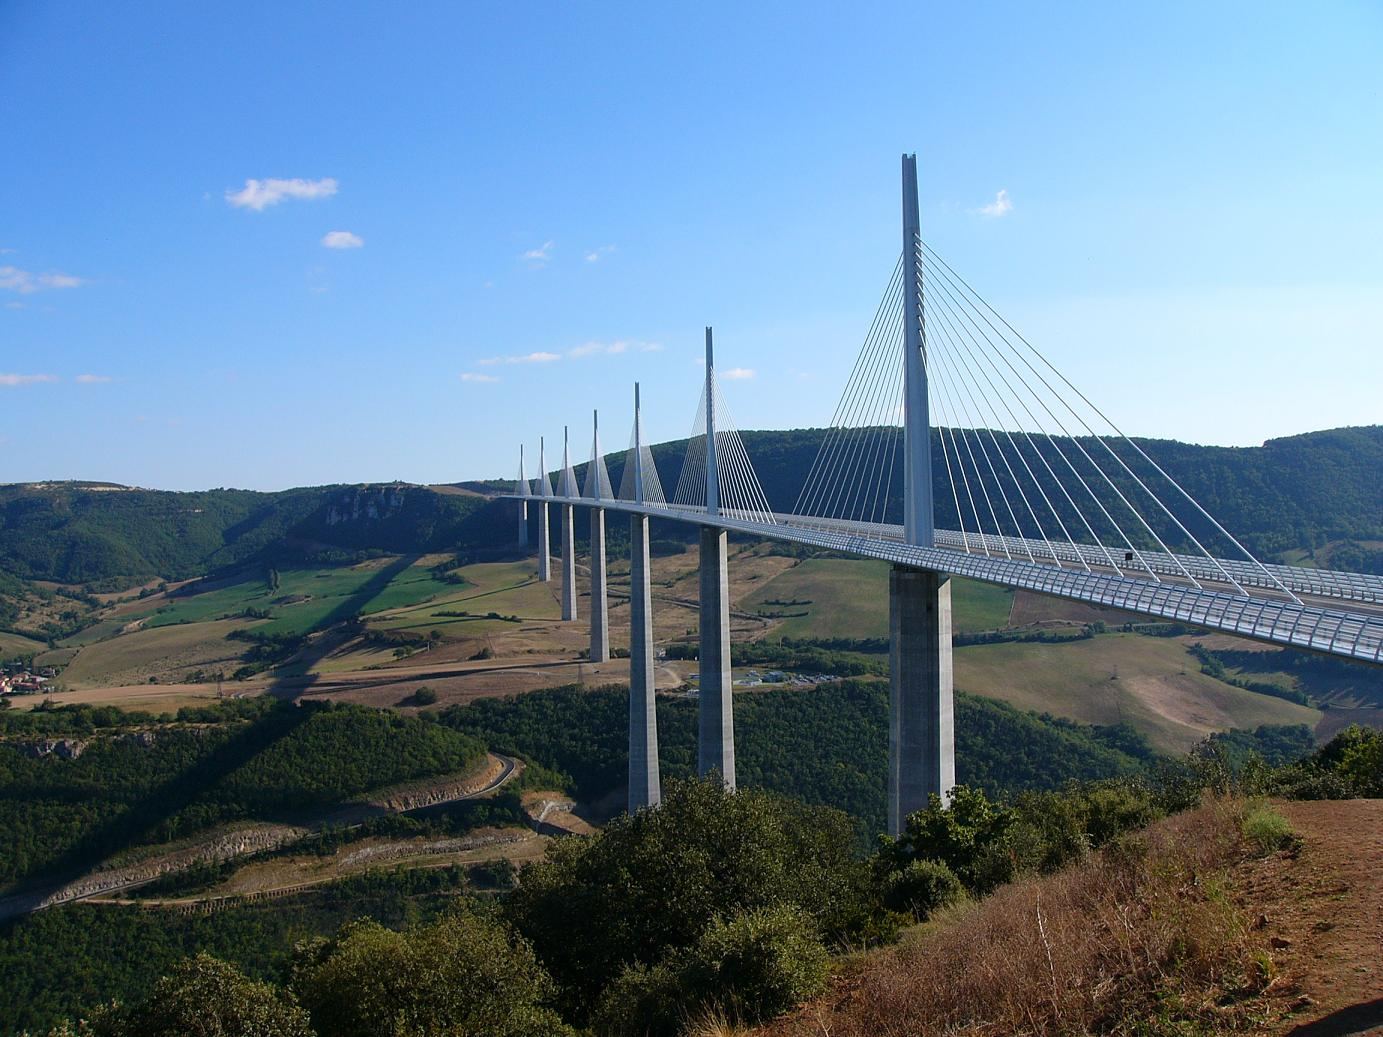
[{"x": 957, "y": 448}]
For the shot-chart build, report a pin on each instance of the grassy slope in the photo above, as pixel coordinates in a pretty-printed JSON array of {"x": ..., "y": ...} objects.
[
  {"x": 849, "y": 598},
  {"x": 1151, "y": 683}
]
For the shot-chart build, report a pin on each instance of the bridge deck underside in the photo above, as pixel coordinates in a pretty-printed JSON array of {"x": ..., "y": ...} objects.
[{"x": 1086, "y": 574}]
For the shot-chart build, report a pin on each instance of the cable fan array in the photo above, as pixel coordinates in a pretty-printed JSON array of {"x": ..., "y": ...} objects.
[
  {"x": 1025, "y": 466},
  {"x": 741, "y": 496},
  {"x": 639, "y": 459}
]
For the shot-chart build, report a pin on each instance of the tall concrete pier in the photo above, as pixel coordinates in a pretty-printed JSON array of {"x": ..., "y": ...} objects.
[
  {"x": 645, "y": 786},
  {"x": 921, "y": 726},
  {"x": 544, "y": 544},
  {"x": 568, "y": 562},
  {"x": 716, "y": 744},
  {"x": 600, "y": 606}
]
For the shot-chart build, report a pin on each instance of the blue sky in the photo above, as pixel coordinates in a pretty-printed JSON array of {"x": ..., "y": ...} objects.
[{"x": 1193, "y": 228}]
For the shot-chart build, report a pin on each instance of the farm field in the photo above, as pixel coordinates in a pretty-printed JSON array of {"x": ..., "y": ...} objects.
[
  {"x": 1154, "y": 684},
  {"x": 849, "y": 598}
]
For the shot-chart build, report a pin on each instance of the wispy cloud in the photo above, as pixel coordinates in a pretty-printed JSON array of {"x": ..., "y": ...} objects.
[
  {"x": 614, "y": 348},
  {"x": 260, "y": 194},
  {"x": 539, "y": 256},
  {"x": 737, "y": 374},
  {"x": 527, "y": 358},
  {"x": 342, "y": 239},
  {"x": 25, "y": 282},
  {"x": 596, "y": 254},
  {"x": 13, "y": 380},
  {"x": 476, "y": 376},
  {"x": 1002, "y": 205},
  {"x": 93, "y": 379}
]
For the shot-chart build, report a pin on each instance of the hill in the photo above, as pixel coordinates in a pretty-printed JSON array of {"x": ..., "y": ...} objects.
[{"x": 1319, "y": 491}]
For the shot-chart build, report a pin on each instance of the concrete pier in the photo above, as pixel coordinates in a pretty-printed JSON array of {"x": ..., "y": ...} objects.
[
  {"x": 523, "y": 523},
  {"x": 645, "y": 786},
  {"x": 568, "y": 562},
  {"x": 544, "y": 544},
  {"x": 600, "y": 606},
  {"x": 716, "y": 749},
  {"x": 921, "y": 724}
]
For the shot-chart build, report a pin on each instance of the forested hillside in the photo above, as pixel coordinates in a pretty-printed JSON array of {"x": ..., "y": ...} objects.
[
  {"x": 112, "y": 537},
  {"x": 1293, "y": 494},
  {"x": 824, "y": 747}
]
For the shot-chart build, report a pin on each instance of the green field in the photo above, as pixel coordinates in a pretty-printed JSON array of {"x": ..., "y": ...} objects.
[
  {"x": 305, "y": 599},
  {"x": 507, "y": 588},
  {"x": 17, "y": 644},
  {"x": 1151, "y": 683},
  {"x": 849, "y": 598}
]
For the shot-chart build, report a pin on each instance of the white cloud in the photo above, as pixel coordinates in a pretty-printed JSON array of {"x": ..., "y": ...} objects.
[
  {"x": 527, "y": 358},
  {"x": 475, "y": 376},
  {"x": 12, "y": 380},
  {"x": 25, "y": 282},
  {"x": 93, "y": 379},
  {"x": 737, "y": 374},
  {"x": 342, "y": 239},
  {"x": 8, "y": 251},
  {"x": 539, "y": 256},
  {"x": 260, "y": 194},
  {"x": 595, "y": 254},
  {"x": 613, "y": 348},
  {"x": 14, "y": 306},
  {"x": 1002, "y": 205}
]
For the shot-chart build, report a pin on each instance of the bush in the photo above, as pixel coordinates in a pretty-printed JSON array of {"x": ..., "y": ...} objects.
[
  {"x": 920, "y": 888},
  {"x": 1267, "y": 830},
  {"x": 424, "y": 696},
  {"x": 204, "y": 995},
  {"x": 462, "y": 975},
  {"x": 756, "y": 966}
]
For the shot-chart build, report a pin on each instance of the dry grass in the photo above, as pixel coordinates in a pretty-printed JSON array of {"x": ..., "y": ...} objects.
[{"x": 1141, "y": 938}]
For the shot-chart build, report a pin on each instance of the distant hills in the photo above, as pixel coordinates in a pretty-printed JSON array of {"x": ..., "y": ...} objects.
[{"x": 1321, "y": 491}]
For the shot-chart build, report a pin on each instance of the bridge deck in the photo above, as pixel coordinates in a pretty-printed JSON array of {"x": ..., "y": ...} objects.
[{"x": 1267, "y": 615}]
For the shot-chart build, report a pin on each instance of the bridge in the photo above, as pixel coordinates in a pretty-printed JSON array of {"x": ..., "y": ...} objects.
[{"x": 949, "y": 416}]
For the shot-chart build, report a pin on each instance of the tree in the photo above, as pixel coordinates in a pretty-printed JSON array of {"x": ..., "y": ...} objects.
[
  {"x": 206, "y": 997},
  {"x": 462, "y": 976},
  {"x": 657, "y": 880}
]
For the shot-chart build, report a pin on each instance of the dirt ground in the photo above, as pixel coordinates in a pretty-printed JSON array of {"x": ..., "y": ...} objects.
[{"x": 1323, "y": 912}]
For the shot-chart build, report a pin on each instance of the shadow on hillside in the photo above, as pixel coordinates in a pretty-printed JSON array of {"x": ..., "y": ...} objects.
[
  {"x": 293, "y": 688},
  {"x": 1356, "y": 1019},
  {"x": 133, "y": 826}
]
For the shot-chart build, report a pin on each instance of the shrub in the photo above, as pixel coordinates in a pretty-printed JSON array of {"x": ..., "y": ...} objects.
[
  {"x": 751, "y": 968},
  {"x": 921, "y": 887},
  {"x": 424, "y": 696},
  {"x": 1266, "y": 829},
  {"x": 204, "y": 995},
  {"x": 461, "y": 975},
  {"x": 758, "y": 965}
]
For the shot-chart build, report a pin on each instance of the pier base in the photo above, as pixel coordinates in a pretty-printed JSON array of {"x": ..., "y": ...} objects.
[{"x": 921, "y": 724}]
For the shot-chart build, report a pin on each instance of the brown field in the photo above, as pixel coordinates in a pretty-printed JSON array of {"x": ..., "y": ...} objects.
[{"x": 162, "y": 652}]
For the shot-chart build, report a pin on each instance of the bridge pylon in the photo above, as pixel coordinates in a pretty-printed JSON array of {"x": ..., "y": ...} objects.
[
  {"x": 921, "y": 738},
  {"x": 715, "y": 699},
  {"x": 544, "y": 534}
]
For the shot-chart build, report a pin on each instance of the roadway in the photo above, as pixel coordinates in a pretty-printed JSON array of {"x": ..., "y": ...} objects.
[{"x": 1262, "y": 613}]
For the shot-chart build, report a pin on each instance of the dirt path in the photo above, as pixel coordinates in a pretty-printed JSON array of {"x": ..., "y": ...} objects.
[{"x": 1322, "y": 910}]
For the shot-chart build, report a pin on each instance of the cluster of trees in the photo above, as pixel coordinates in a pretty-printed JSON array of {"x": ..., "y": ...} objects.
[
  {"x": 152, "y": 783},
  {"x": 822, "y": 748},
  {"x": 713, "y": 905}
]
